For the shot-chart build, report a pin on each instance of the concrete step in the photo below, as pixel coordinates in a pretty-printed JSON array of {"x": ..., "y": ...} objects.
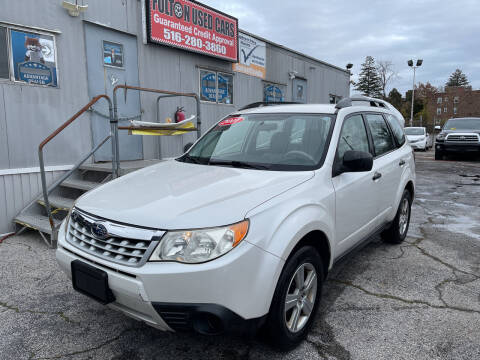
[
  {"x": 58, "y": 202},
  {"x": 37, "y": 222},
  {"x": 80, "y": 184}
]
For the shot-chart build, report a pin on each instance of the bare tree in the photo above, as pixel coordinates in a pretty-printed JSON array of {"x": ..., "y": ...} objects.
[{"x": 387, "y": 74}]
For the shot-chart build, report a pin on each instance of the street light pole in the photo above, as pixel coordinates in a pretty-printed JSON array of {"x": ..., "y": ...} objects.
[
  {"x": 413, "y": 96},
  {"x": 410, "y": 63}
]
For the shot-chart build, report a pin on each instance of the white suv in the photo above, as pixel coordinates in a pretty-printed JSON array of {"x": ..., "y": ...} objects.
[{"x": 240, "y": 232}]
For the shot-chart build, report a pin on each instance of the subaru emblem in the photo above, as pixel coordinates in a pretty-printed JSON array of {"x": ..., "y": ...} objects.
[{"x": 99, "y": 231}]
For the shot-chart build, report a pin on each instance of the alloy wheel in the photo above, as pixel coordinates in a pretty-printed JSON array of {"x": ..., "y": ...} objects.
[{"x": 300, "y": 298}]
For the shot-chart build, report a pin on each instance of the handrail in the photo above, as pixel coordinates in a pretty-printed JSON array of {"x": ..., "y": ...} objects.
[
  {"x": 138, "y": 88},
  {"x": 54, "y": 134}
]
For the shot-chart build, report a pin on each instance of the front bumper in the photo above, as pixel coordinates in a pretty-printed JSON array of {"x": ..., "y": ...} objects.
[
  {"x": 457, "y": 147},
  {"x": 212, "y": 297}
]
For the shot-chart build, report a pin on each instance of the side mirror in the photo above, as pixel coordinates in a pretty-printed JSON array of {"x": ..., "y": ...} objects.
[
  {"x": 187, "y": 147},
  {"x": 438, "y": 127},
  {"x": 357, "y": 161}
]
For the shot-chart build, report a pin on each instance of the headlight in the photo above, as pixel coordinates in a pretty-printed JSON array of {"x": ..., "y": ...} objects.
[
  {"x": 441, "y": 136},
  {"x": 197, "y": 246}
]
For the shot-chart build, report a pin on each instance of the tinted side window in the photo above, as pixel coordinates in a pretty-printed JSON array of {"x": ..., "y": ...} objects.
[
  {"x": 353, "y": 136},
  {"x": 382, "y": 138},
  {"x": 397, "y": 129}
]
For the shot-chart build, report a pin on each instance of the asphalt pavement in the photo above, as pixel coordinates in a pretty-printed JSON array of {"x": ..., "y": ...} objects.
[{"x": 419, "y": 300}]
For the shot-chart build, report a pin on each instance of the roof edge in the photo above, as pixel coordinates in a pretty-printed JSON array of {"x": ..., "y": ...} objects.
[{"x": 294, "y": 51}]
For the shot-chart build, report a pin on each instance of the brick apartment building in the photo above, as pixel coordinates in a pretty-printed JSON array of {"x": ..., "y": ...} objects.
[{"x": 453, "y": 102}]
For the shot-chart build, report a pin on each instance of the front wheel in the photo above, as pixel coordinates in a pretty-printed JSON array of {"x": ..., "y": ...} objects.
[
  {"x": 397, "y": 232},
  {"x": 438, "y": 155},
  {"x": 296, "y": 299}
]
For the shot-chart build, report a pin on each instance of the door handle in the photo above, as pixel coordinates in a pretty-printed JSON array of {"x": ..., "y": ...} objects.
[
  {"x": 401, "y": 163},
  {"x": 376, "y": 176}
]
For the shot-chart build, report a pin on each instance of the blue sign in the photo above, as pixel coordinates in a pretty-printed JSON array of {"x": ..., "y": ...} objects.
[
  {"x": 35, "y": 73},
  {"x": 209, "y": 87},
  {"x": 273, "y": 94},
  {"x": 34, "y": 58}
]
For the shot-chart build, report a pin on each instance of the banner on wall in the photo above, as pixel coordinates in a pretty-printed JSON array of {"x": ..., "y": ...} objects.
[
  {"x": 191, "y": 26},
  {"x": 252, "y": 56},
  {"x": 34, "y": 58}
]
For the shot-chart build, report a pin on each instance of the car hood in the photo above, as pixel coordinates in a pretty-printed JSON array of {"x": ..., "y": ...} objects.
[
  {"x": 475, "y": 131},
  {"x": 177, "y": 195}
]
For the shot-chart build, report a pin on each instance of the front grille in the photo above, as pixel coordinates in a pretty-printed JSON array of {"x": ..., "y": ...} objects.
[
  {"x": 463, "y": 138},
  {"x": 126, "y": 245}
]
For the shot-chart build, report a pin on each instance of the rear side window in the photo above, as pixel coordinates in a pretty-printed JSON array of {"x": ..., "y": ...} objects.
[
  {"x": 397, "y": 129},
  {"x": 382, "y": 138},
  {"x": 353, "y": 136}
]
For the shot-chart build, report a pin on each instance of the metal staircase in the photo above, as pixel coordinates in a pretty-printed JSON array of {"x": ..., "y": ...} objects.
[
  {"x": 61, "y": 200},
  {"x": 46, "y": 212}
]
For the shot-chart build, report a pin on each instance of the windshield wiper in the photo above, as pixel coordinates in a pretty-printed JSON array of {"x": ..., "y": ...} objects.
[
  {"x": 239, "y": 164},
  {"x": 191, "y": 159}
]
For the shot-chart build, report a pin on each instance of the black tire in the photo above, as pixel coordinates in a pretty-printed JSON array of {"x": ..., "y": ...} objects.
[
  {"x": 438, "y": 155},
  {"x": 279, "y": 335},
  {"x": 394, "y": 234}
]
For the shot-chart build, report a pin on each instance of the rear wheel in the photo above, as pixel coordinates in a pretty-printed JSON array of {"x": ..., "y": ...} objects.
[
  {"x": 296, "y": 299},
  {"x": 397, "y": 232}
]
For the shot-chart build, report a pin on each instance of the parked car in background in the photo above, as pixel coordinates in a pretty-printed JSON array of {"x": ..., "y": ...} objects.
[
  {"x": 458, "y": 136},
  {"x": 241, "y": 231},
  {"x": 419, "y": 138}
]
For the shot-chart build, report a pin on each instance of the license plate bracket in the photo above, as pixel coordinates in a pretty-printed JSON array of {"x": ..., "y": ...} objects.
[{"x": 92, "y": 282}]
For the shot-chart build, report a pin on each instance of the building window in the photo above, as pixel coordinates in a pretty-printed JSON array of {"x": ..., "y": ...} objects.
[
  {"x": 456, "y": 99},
  {"x": 4, "y": 70},
  {"x": 439, "y": 100},
  {"x": 334, "y": 99},
  {"x": 216, "y": 87},
  {"x": 225, "y": 88},
  {"x": 446, "y": 99},
  {"x": 445, "y": 110},
  {"x": 455, "y": 110},
  {"x": 28, "y": 56},
  {"x": 439, "y": 111}
]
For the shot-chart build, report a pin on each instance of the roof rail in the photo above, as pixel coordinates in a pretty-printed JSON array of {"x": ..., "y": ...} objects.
[
  {"x": 364, "y": 100},
  {"x": 264, "y": 103}
]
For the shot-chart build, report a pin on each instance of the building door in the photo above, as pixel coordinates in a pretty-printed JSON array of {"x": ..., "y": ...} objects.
[
  {"x": 300, "y": 91},
  {"x": 111, "y": 61}
]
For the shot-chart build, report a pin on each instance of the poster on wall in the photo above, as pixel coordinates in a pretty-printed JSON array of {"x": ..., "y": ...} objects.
[
  {"x": 112, "y": 54},
  {"x": 252, "y": 56},
  {"x": 273, "y": 93},
  {"x": 191, "y": 26},
  {"x": 208, "y": 86},
  {"x": 33, "y": 57}
]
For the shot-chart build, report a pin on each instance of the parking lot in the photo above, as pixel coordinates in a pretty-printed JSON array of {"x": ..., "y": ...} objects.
[{"x": 420, "y": 300}]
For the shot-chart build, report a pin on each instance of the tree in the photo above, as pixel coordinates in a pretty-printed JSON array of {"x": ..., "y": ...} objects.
[
  {"x": 387, "y": 74},
  {"x": 458, "y": 78},
  {"x": 368, "y": 81},
  {"x": 395, "y": 98}
]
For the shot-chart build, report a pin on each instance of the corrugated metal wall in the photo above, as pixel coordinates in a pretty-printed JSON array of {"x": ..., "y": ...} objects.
[
  {"x": 18, "y": 190},
  {"x": 30, "y": 113}
]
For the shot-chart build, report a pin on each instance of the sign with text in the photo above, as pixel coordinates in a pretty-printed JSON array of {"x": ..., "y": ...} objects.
[
  {"x": 191, "y": 26},
  {"x": 253, "y": 54}
]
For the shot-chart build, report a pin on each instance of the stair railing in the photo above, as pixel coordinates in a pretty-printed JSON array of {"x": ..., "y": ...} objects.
[{"x": 115, "y": 163}]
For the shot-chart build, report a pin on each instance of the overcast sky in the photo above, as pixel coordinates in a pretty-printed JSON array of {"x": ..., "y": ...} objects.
[{"x": 444, "y": 33}]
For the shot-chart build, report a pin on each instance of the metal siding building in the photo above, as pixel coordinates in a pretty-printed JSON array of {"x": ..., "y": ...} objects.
[{"x": 29, "y": 113}]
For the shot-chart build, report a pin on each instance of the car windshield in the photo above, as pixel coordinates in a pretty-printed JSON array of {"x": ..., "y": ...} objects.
[
  {"x": 286, "y": 142},
  {"x": 462, "y": 124},
  {"x": 414, "y": 131}
]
